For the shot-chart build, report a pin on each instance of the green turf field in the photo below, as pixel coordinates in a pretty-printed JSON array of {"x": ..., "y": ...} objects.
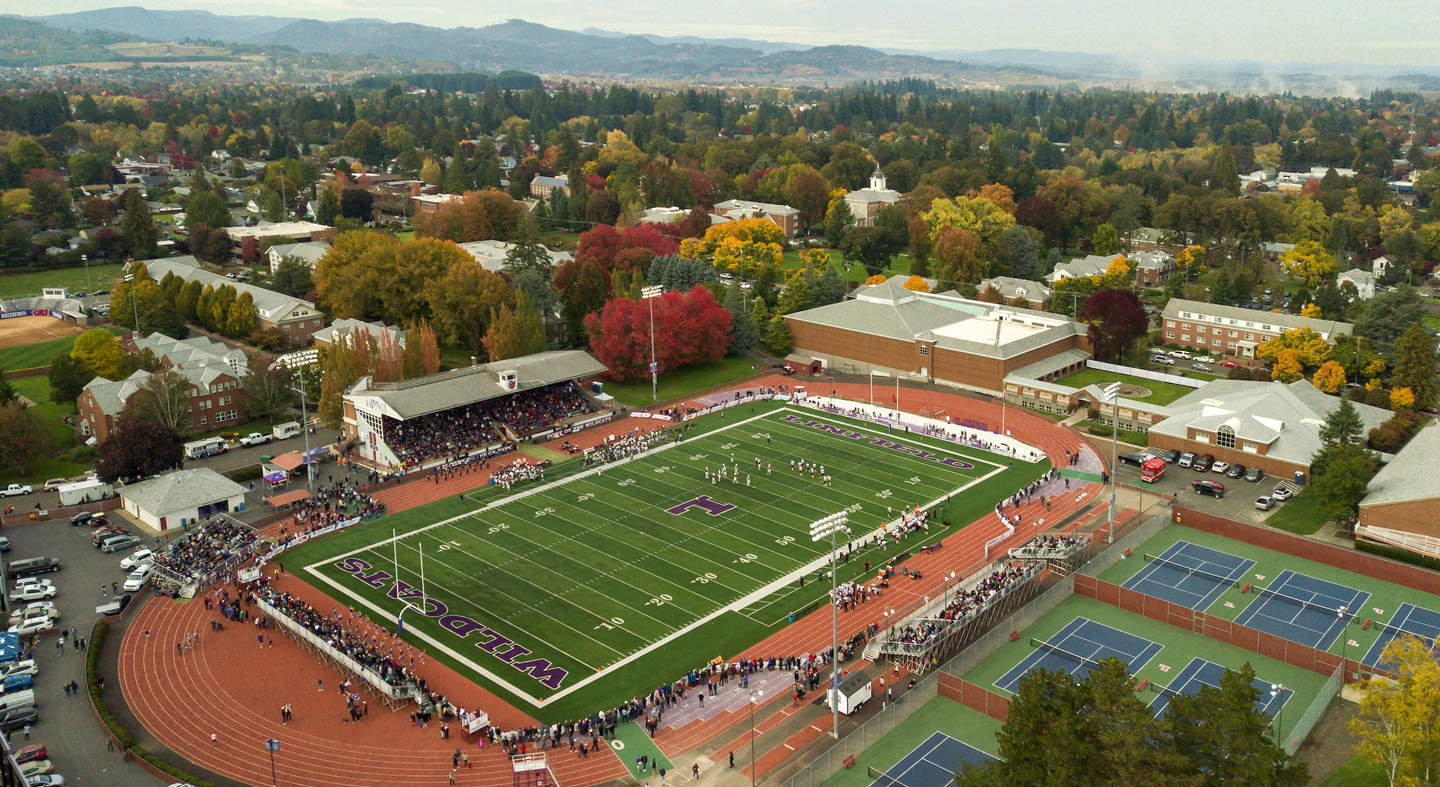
[
  {"x": 29, "y": 285},
  {"x": 607, "y": 588},
  {"x": 1356, "y": 641},
  {"x": 1178, "y": 648},
  {"x": 1160, "y": 392}
]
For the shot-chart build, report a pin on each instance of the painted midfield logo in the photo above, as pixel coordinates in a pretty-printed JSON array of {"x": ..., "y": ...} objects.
[{"x": 702, "y": 502}]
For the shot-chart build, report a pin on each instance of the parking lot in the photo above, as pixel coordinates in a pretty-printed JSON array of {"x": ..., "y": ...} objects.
[
  {"x": 74, "y": 739},
  {"x": 1237, "y": 504}
]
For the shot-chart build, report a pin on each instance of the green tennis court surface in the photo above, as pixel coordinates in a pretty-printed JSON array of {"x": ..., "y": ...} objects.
[
  {"x": 1305, "y": 600},
  {"x": 595, "y": 585}
]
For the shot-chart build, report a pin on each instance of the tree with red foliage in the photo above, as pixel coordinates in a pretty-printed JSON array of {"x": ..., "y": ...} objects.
[
  {"x": 604, "y": 246},
  {"x": 1041, "y": 214},
  {"x": 1116, "y": 319},
  {"x": 690, "y": 329},
  {"x": 137, "y": 449},
  {"x": 479, "y": 215}
]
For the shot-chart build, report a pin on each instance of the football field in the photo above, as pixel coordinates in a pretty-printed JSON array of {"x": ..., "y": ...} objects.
[{"x": 594, "y": 585}]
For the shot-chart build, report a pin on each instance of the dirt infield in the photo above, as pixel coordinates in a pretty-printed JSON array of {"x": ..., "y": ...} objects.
[{"x": 20, "y": 331}]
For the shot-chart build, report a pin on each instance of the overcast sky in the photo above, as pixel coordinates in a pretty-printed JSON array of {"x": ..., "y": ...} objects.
[{"x": 1369, "y": 31}]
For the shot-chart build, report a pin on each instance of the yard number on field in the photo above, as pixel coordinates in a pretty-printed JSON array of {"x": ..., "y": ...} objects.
[
  {"x": 883, "y": 493},
  {"x": 703, "y": 579},
  {"x": 499, "y": 527},
  {"x": 609, "y": 625},
  {"x": 660, "y": 600}
]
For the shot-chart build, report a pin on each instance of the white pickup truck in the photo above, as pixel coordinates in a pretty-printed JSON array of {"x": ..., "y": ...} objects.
[
  {"x": 256, "y": 438},
  {"x": 15, "y": 490}
]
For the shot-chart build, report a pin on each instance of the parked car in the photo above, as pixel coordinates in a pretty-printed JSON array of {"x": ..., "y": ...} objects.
[
  {"x": 1183, "y": 355},
  {"x": 118, "y": 543},
  {"x": 1163, "y": 361},
  {"x": 87, "y": 518},
  {"x": 1201, "y": 367},
  {"x": 30, "y": 566},
  {"x": 33, "y": 626},
  {"x": 1254, "y": 474},
  {"x": 34, "y": 609},
  {"x": 138, "y": 558},
  {"x": 1282, "y": 493},
  {"x": 46, "y": 780},
  {"x": 1220, "y": 467},
  {"x": 54, "y": 483},
  {"x": 4, "y": 543},
  {"x": 16, "y": 683},
  {"x": 112, "y": 608},
  {"x": 14, "y": 718},
  {"x": 1235, "y": 471},
  {"x": 1264, "y": 502},
  {"x": 1229, "y": 364},
  {"x": 36, "y": 768},
  {"x": 23, "y": 582},
  {"x": 1205, "y": 486},
  {"x": 1203, "y": 462},
  {"x": 137, "y": 578},
  {"x": 99, "y": 534},
  {"x": 1170, "y": 457},
  {"x": 33, "y": 752},
  {"x": 22, "y": 667},
  {"x": 1187, "y": 459},
  {"x": 1132, "y": 459},
  {"x": 255, "y": 438}
]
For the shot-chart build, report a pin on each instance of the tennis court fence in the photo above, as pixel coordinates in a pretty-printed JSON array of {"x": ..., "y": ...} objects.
[
  {"x": 1312, "y": 714},
  {"x": 1101, "y": 556}
]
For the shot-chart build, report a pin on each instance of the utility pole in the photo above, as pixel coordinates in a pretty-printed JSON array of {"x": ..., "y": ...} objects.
[
  {"x": 649, "y": 294},
  {"x": 1112, "y": 395}
]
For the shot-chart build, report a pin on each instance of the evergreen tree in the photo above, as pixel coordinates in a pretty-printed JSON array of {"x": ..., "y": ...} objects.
[
  {"x": 777, "y": 336},
  {"x": 744, "y": 334},
  {"x": 1022, "y": 253},
  {"x": 838, "y": 223},
  {"x": 328, "y": 209},
  {"x": 515, "y": 333},
  {"x": 1415, "y": 365},
  {"x": 829, "y": 288},
  {"x": 137, "y": 227},
  {"x": 1343, "y": 426}
]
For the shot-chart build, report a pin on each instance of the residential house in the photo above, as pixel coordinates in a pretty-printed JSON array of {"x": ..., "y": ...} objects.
[
  {"x": 309, "y": 253},
  {"x": 542, "y": 185},
  {"x": 1363, "y": 280},
  {"x": 1081, "y": 268},
  {"x": 341, "y": 330},
  {"x": 215, "y": 400},
  {"x": 1152, "y": 268},
  {"x": 248, "y": 240},
  {"x": 1035, "y": 293},
  {"x": 1272, "y": 252}
]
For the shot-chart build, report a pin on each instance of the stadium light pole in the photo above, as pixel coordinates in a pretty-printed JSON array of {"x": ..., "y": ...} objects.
[
  {"x": 649, "y": 294},
  {"x": 1276, "y": 690},
  {"x": 134, "y": 307},
  {"x": 1112, "y": 395},
  {"x": 819, "y": 531},
  {"x": 305, "y": 430},
  {"x": 273, "y": 746}
]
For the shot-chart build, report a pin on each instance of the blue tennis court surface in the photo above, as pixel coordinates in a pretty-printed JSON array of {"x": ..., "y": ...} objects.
[
  {"x": 1303, "y": 609},
  {"x": 1408, "y": 619},
  {"x": 1090, "y": 642},
  {"x": 1189, "y": 575},
  {"x": 932, "y": 763},
  {"x": 1200, "y": 673}
]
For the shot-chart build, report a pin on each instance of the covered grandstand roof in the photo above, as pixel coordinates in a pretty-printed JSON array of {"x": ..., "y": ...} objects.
[{"x": 459, "y": 387}]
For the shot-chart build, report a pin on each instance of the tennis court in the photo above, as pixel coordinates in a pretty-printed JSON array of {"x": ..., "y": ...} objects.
[
  {"x": 1408, "y": 619},
  {"x": 1082, "y": 644},
  {"x": 1200, "y": 673},
  {"x": 1190, "y": 575},
  {"x": 931, "y": 764},
  {"x": 1303, "y": 609}
]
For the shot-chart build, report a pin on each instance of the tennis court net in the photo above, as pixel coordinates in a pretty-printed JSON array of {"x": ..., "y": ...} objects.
[
  {"x": 1329, "y": 611},
  {"x": 1192, "y": 571},
  {"x": 1052, "y": 648}
]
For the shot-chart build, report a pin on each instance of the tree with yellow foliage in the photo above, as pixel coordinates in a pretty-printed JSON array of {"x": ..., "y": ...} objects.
[
  {"x": 918, "y": 285},
  {"x": 1396, "y": 728},
  {"x": 973, "y": 214},
  {"x": 1309, "y": 262},
  {"x": 1330, "y": 377},
  {"x": 1310, "y": 350},
  {"x": 878, "y": 278},
  {"x": 1190, "y": 262},
  {"x": 1117, "y": 275},
  {"x": 746, "y": 257},
  {"x": 1402, "y": 399},
  {"x": 1311, "y": 311},
  {"x": 1287, "y": 367}
]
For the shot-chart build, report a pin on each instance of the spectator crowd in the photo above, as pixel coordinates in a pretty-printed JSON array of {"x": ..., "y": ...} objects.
[
  {"x": 454, "y": 433},
  {"x": 207, "y": 548}
]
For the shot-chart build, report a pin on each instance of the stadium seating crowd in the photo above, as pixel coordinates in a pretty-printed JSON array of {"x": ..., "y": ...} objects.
[
  {"x": 213, "y": 543},
  {"x": 453, "y": 433}
]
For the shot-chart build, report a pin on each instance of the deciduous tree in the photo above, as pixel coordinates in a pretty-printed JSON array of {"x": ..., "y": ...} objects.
[
  {"x": 1115, "y": 319},
  {"x": 515, "y": 332},
  {"x": 137, "y": 450},
  {"x": 690, "y": 329},
  {"x": 1330, "y": 377},
  {"x": 68, "y": 376},
  {"x": 99, "y": 351},
  {"x": 24, "y": 437},
  {"x": 268, "y": 388},
  {"x": 1309, "y": 262},
  {"x": 479, "y": 215},
  {"x": 163, "y": 398}
]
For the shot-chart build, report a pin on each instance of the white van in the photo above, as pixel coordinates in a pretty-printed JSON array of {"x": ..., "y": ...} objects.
[
  {"x": 17, "y": 699},
  {"x": 203, "y": 448}
]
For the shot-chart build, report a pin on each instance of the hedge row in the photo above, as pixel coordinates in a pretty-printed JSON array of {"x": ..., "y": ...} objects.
[
  {"x": 1401, "y": 555},
  {"x": 127, "y": 741}
]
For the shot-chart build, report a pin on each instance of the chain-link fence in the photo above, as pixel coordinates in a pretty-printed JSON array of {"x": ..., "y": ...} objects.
[
  {"x": 1312, "y": 714},
  {"x": 1103, "y": 555},
  {"x": 833, "y": 759}
]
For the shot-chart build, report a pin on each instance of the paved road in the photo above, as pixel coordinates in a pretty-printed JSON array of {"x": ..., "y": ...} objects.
[{"x": 73, "y": 737}]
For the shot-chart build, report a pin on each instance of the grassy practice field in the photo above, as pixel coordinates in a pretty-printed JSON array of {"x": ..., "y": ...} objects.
[
  {"x": 610, "y": 582},
  {"x": 28, "y": 285},
  {"x": 1160, "y": 392},
  {"x": 684, "y": 382}
]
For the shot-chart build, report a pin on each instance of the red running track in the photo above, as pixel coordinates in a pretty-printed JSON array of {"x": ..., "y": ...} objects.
[{"x": 231, "y": 687}]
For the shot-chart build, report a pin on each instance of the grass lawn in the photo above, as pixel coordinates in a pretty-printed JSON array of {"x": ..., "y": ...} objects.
[
  {"x": 31, "y": 356},
  {"x": 454, "y": 357},
  {"x": 1300, "y": 514},
  {"x": 1102, "y": 431},
  {"x": 684, "y": 382},
  {"x": 899, "y": 265},
  {"x": 406, "y": 235},
  {"x": 25, "y": 285},
  {"x": 620, "y": 580},
  {"x": 1431, "y": 322},
  {"x": 1160, "y": 392},
  {"x": 37, "y": 389},
  {"x": 1355, "y": 773}
]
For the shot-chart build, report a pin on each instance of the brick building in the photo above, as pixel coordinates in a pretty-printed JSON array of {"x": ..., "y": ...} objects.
[
  {"x": 865, "y": 204},
  {"x": 1152, "y": 268},
  {"x": 250, "y": 240},
  {"x": 1234, "y": 331},
  {"x": 542, "y": 185},
  {"x": 215, "y": 401},
  {"x": 784, "y": 216},
  {"x": 1402, "y": 507},
  {"x": 943, "y": 338},
  {"x": 296, "y": 318}
]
